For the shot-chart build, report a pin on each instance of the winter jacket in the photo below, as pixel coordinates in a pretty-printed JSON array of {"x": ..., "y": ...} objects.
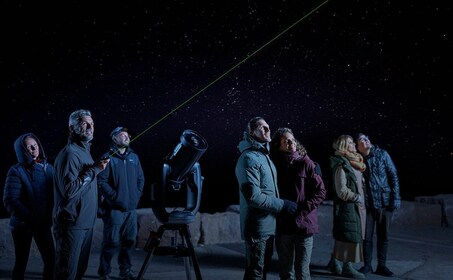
[
  {"x": 121, "y": 183},
  {"x": 346, "y": 217},
  {"x": 383, "y": 189},
  {"x": 75, "y": 181},
  {"x": 258, "y": 193},
  {"x": 298, "y": 181},
  {"x": 28, "y": 192}
]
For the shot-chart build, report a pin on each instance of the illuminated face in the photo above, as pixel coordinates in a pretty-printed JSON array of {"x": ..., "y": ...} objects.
[
  {"x": 287, "y": 143},
  {"x": 32, "y": 147},
  {"x": 363, "y": 143},
  {"x": 85, "y": 128},
  {"x": 262, "y": 133},
  {"x": 122, "y": 139},
  {"x": 350, "y": 145}
]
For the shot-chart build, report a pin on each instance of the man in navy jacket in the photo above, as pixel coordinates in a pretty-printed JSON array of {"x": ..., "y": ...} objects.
[
  {"x": 121, "y": 186},
  {"x": 381, "y": 199}
]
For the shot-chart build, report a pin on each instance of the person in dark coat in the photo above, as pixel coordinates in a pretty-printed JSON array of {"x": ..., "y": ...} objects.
[
  {"x": 298, "y": 181},
  {"x": 381, "y": 199},
  {"x": 28, "y": 198},
  {"x": 76, "y": 198},
  {"x": 121, "y": 186}
]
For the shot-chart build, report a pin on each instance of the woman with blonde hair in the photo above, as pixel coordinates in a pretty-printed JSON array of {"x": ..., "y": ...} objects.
[{"x": 349, "y": 210}]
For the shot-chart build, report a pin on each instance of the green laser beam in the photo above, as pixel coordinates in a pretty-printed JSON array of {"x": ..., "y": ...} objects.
[{"x": 226, "y": 73}]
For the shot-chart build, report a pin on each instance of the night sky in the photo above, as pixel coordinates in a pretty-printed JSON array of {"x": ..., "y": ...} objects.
[{"x": 379, "y": 67}]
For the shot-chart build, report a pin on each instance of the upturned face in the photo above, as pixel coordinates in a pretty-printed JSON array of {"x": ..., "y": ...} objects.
[
  {"x": 262, "y": 133},
  {"x": 363, "y": 144},
  {"x": 85, "y": 128},
  {"x": 350, "y": 145},
  {"x": 287, "y": 143},
  {"x": 122, "y": 139}
]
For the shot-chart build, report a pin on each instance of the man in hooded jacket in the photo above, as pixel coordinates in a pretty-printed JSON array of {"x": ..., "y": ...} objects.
[{"x": 258, "y": 198}]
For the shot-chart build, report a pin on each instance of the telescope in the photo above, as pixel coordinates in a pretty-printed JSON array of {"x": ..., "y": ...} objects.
[
  {"x": 182, "y": 182},
  {"x": 176, "y": 199}
]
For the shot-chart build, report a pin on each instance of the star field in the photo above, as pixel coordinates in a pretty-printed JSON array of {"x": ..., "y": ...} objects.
[{"x": 379, "y": 67}]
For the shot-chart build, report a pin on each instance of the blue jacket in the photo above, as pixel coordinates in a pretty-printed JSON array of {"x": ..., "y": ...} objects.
[
  {"x": 383, "y": 188},
  {"x": 258, "y": 193},
  {"x": 121, "y": 183},
  {"x": 28, "y": 192}
]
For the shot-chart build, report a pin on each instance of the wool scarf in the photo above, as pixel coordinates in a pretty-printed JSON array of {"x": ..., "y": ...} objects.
[{"x": 355, "y": 159}]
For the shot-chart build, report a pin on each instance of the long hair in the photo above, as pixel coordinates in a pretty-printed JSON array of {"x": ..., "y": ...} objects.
[{"x": 275, "y": 143}]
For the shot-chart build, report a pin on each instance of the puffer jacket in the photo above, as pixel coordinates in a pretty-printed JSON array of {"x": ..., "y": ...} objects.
[
  {"x": 383, "y": 188},
  {"x": 346, "y": 217},
  {"x": 28, "y": 192},
  {"x": 298, "y": 181},
  {"x": 258, "y": 194}
]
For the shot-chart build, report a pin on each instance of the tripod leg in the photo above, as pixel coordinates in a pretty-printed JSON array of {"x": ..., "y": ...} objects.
[
  {"x": 145, "y": 265},
  {"x": 151, "y": 244},
  {"x": 186, "y": 258},
  {"x": 196, "y": 267},
  {"x": 187, "y": 266}
]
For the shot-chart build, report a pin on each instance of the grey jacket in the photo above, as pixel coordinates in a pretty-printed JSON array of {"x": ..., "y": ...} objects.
[
  {"x": 258, "y": 194},
  {"x": 75, "y": 178}
]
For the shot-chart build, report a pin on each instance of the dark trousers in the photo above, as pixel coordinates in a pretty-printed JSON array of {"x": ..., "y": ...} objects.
[
  {"x": 119, "y": 235},
  {"x": 258, "y": 256},
  {"x": 22, "y": 243},
  {"x": 294, "y": 255},
  {"x": 380, "y": 220},
  {"x": 72, "y": 247}
]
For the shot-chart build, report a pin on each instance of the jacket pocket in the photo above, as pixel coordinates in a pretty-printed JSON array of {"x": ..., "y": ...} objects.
[
  {"x": 67, "y": 212},
  {"x": 385, "y": 198}
]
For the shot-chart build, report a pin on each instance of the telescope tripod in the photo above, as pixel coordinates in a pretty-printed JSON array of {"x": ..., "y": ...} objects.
[{"x": 185, "y": 250}]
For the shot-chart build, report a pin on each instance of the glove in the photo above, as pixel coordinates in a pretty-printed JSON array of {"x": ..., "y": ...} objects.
[
  {"x": 359, "y": 199},
  {"x": 289, "y": 206}
]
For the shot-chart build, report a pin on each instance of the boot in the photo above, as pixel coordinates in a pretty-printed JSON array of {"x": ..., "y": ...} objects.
[
  {"x": 366, "y": 269},
  {"x": 335, "y": 266},
  {"x": 350, "y": 272}
]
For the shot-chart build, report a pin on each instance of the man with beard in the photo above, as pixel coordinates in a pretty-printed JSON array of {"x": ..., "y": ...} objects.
[
  {"x": 121, "y": 185},
  {"x": 258, "y": 198},
  {"x": 75, "y": 197}
]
